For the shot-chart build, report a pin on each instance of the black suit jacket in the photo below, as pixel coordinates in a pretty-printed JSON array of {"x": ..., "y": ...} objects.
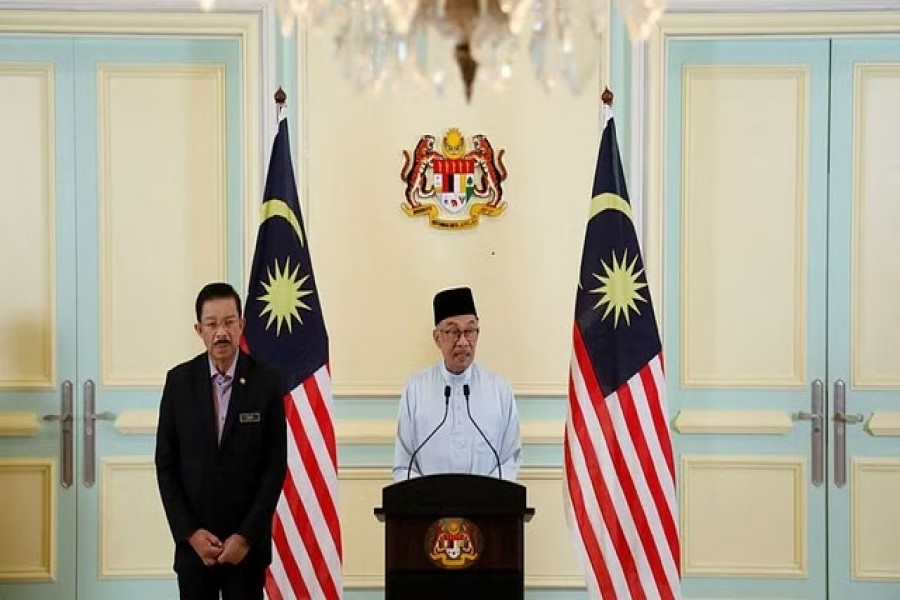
[{"x": 228, "y": 487}]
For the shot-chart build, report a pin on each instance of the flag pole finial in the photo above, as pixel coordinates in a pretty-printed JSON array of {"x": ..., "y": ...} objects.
[
  {"x": 607, "y": 97},
  {"x": 280, "y": 99}
]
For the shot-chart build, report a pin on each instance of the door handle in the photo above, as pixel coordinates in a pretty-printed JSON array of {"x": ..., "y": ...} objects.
[
  {"x": 90, "y": 438},
  {"x": 841, "y": 420},
  {"x": 849, "y": 419},
  {"x": 816, "y": 433},
  {"x": 65, "y": 420}
]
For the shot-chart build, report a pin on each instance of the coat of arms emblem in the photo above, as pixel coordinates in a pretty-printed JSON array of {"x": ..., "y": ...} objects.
[
  {"x": 453, "y": 543},
  {"x": 454, "y": 187}
]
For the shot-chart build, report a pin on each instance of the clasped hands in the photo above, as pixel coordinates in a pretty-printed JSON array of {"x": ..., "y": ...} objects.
[{"x": 212, "y": 550}]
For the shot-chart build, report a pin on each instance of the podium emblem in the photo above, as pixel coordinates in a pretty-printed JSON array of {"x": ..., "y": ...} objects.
[{"x": 453, "y": 543}]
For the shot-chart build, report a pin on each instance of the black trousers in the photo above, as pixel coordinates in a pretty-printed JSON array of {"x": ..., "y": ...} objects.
[{"x": 235, "y": 582}]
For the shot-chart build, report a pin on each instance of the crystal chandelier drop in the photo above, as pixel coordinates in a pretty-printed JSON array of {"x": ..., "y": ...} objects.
[{"x": 395, "y": 44}]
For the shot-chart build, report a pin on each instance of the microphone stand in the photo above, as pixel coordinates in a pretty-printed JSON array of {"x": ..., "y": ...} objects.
[
  {"x": 433, "y": 431},
  {"x": 487, "y": 441}
]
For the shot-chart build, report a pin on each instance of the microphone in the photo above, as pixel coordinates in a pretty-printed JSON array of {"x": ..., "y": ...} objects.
[
  {"x": 490, "y": 445},
  {"x": 433, "y": 431}
]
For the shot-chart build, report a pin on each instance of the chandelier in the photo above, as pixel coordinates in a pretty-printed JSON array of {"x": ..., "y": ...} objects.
[{"x": 394, "y": 44}]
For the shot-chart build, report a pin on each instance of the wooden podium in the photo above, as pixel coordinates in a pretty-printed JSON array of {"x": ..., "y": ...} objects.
[{"x": 454, "y": 536}]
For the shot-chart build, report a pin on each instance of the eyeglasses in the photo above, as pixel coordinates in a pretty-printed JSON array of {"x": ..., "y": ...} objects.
[
  {"x": 228, "y": 322},
  {"x": 454, "y": 334}
]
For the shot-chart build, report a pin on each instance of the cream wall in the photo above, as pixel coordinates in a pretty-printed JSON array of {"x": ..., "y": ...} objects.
[{"x": 378, "y": 269}]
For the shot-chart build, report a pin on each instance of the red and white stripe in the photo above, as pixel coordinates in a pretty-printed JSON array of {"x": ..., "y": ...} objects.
[
  {"x": 620, "y": 483},
  {"x": 306, "y": 533}
]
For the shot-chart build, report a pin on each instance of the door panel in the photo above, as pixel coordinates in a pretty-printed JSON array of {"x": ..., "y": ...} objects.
[
  {"x": 738, "y": 129},
  {"x": 37, "y": 315},
  {"x": 747, "y": 131},
  {"x": 159, "y": 215},
  {"x": 121, "y": 169},
  {"x": 863, "y": 326}
]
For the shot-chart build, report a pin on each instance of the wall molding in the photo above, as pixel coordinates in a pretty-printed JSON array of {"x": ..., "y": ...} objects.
[
  {"x": 110, "y": 563},
  {"x": 351, "y": 431},
  {"x": 884, "y": 423},
  {"x": 734, "y": 422},
  {"x": 778, "y": 5},
  {"x": 137, "y": 422},
  {"x": 869, "y": 563},
  {"x": 543, "y": 431},
  {"x": 46, "y": 507},
  {"x": 19, "y": 424},
  {"x": 137, "y": 5},
  {"x": 394, "y": 390},
  {"x": 365, "y": 431},
  {"x": 719, "y": 23},
  {"x": 697, "y": 564}
]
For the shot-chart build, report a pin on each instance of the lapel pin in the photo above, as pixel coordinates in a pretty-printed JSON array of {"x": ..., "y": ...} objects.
[{"x": 242, "y": 381}]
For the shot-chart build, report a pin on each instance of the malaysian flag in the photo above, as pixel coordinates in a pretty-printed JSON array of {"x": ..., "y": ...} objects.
[
  {"x": 285, "y": 329},
  {"x": 620, "y": 477}
]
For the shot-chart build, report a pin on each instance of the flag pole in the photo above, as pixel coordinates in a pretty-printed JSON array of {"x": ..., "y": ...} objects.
[
  {"x": 280, "y": 99},
  {"x": 619, "y": 465},
  {"x": 306, "y": 531}
]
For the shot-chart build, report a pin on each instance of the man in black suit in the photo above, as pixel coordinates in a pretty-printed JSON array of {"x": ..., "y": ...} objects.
[{"x": 221, "y": 457}]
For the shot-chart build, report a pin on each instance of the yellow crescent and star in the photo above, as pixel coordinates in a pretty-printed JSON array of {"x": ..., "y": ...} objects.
[
  {"x": 619, "y": 287},
  {"x": 284, "y": 295}
]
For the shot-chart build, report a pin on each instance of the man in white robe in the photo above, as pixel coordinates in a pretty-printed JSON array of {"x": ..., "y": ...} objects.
[{"x": 443, "y": 407}]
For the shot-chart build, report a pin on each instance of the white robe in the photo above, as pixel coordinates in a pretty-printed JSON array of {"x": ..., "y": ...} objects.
[{"x": 457, "y": 447}]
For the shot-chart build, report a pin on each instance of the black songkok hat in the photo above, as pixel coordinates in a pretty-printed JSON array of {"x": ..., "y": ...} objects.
[{"x": 453, "y": 302}]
